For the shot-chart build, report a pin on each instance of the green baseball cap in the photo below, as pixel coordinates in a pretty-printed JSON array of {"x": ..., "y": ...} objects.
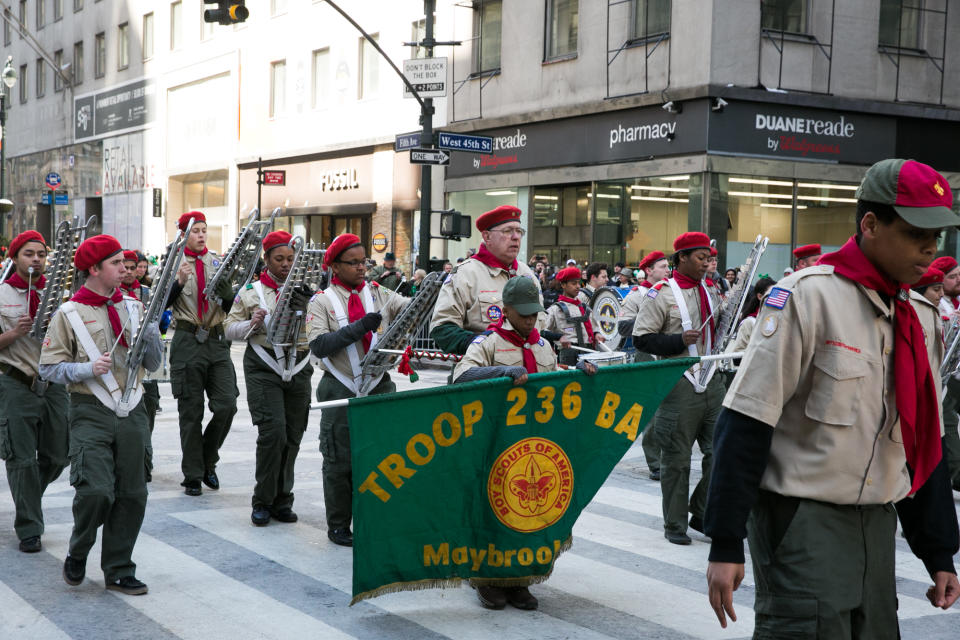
[
  {"x": 522, "y": 294},
  {"x": 919, "y": 194}
]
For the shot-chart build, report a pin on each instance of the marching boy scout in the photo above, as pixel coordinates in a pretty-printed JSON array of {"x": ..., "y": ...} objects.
[
  {"x": 33, "y": 414},
  {"x": 131, "y": 286},
  {"x": 831, "y": 430},
  {"x": 342, "y": 325},
  {"x": 512, "y": 347},
  {"x": 200, "y": 359},
  {"x": 571, "y": 317},
  {"x": 110, "y": 453},
  {"x": 806, "y": 256},
  {"x": 679, "y": 319},
  {"x": 278, "y": 381},
  {"x": 949, "y": 302},
  {"x": 471, "y": 297}
]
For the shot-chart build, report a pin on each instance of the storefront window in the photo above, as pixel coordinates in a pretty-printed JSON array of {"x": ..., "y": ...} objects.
[
  {"x": 661, "y": 208},
  {"x": 561, "y": 227},
  {"x": 826, "y": 213},
  {"x": 474, "y": 204}
]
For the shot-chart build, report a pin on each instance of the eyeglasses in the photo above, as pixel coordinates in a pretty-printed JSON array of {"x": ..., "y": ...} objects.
[
  {"x": 512, "y": 231},
  {"x": 352, "y": 263}
]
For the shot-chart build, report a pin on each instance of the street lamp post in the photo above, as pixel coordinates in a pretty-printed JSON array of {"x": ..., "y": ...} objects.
[{"x": 9, "y": 77}]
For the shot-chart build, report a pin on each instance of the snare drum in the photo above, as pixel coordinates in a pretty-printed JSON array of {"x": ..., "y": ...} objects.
[{"x": 604, "y": 358}]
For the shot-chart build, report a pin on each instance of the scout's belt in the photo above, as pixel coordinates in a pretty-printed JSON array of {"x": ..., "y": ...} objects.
[
  {"x": 200, "y": 333},
  {"x": 34, "y": 383}
]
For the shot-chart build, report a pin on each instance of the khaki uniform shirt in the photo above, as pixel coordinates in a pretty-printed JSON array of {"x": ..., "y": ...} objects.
[
  {"x": 821, "y": 372},
  {"x": 24, "y": 352},
  {"x": 586, "y": 294},
  {"x": 744, "y": 331},
  {"x": 631, "y": 304},
  {"x": 321, "y": 318},
  {"x": 472, "y": 296},
  {"x": 61, "y": 344},
  {"x": 491, "y": 350},
  {"x": 248, "y": 301},
  {"x": 660, "y": 313},
  {"x": 185, "y": 306},
  {"x": 557, "y": 321}
]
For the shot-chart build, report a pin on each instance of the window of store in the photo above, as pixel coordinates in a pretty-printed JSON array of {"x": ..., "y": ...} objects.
[
  {"x": 77, "y": 67},
  {"x": 789, "y": 16},
  {"x": 651, "y": 18},
  {"x": 278, "y": 88},
  {"x": 147, "y": 35},
  {"x": 369, "y": 68},
  {"x": 563, "y": 22},
  {"x": 486, "y": 35},
  {"x": 320, "y": 91},
  {"x": 206, "y": 194},
  {"x": 474, "y": 204},
  {"x": 826, "y": 213},
  {"x": 100, "y": 53},
  {"x": 561, "y": 222},
  {"x": 123, "y": 46},
  {"x": 900, "y": 24}
]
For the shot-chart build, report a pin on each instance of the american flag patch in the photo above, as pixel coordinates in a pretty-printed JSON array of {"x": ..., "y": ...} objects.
[{"x": 777, "y": 298}]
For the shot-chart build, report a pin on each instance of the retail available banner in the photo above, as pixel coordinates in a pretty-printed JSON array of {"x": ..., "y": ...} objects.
[{"x": 483, "y": 481}]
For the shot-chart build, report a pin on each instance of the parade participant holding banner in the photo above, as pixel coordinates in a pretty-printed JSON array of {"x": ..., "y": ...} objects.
[
  {"x": 278, "y": 395},
  {"x": 132, "y": 286},
  {"x": 33, "y": 414},
  {"x": 678, "y": 320},
  {"x": 110, "y": 456},
  {"x": 342, "y": 325},
  {"x": 471, "y": 297},
  {"x": 200, "y": 359},
  {"x": 571, "y": 317},
  {"x": 831, "y": 430}
]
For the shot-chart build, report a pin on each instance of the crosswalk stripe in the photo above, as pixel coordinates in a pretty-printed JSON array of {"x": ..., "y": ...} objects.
[{"x": 20, "y": 620}]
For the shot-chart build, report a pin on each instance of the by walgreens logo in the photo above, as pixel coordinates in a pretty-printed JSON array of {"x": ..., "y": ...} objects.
[
  {"x": 516, "y": 140},
  {"x": 835, "y": 128}
]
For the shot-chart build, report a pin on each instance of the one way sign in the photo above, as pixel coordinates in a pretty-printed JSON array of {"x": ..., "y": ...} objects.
[{"x": 429, "y": 156}]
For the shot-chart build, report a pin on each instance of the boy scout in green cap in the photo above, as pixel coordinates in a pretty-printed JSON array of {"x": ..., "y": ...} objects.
[{"x": 831, "y": 430}]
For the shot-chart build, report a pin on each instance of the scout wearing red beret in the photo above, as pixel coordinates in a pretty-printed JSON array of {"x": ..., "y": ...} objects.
[
  {"x": 185, "y": 218},
  {"x": 276, "y": 239},
  {"x": 932, "y": 276},
  {"x": 691, "y": 240},
  {"x": 651, "y": 259},
  {"x": 570, "y": 273},
  {"x": 946, "y": 264},
  {"x": 503, "y": 213},
  {"x": 130, "y": 255},
  {"x": 807, "y": 251},
  {"x": 95, "y": 250},
  {"x": 24, "y": 238},
  {"x": 340, "y": 244}
]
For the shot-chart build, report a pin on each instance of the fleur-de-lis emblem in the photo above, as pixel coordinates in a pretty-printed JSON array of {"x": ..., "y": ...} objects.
[
  {"x": 938, "y": 188},
  {"x": 533, "y": 487}
]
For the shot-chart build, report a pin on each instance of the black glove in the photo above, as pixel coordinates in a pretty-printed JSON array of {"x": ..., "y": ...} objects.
[
  {"x": 300, "y": 297},
  {"x": 371, "y": 321}
]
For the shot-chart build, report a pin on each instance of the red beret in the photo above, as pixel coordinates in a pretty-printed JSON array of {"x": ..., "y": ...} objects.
[
  {"x": 503, "y": 213},
  {"x": 185, "y": 218},
  {"x": 94, "y": 250},
  {"x": 130, "y": 255},
  {"x": 276, "y": 239},
  {"x": 651, "y": 259},
  {"x": 24, "y": 238},
  {"x": 570, "y": 273},
  {"x": 691, "y": 240},
  {"x": 932, "y": 276},
  {"x": 340, "y": 244},
  {"x": 713, "y": 252},
  {"x": 807, "y": 251},
  {"x": 945, "y": 264}
]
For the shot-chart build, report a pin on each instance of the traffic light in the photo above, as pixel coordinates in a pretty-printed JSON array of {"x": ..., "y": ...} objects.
[
  {"x": 453, "y": 224},
  {"x": 227, "y": 12}
]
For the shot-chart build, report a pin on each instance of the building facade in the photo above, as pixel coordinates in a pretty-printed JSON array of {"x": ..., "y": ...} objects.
[{"x": 618, "y": 125}]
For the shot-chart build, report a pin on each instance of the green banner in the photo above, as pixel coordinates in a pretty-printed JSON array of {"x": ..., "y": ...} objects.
[{"x": 484, "y": 480}]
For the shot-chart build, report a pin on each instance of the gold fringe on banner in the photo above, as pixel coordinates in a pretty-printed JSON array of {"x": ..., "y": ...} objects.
[{"x": 455, "y": 583}]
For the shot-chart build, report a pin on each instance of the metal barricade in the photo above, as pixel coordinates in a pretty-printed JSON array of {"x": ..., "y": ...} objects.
[{"x": 162, "y": 373}]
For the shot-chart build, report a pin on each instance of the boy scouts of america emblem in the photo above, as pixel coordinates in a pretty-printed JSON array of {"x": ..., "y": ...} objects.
[
  {"x": 530, "y": 485},
  {"x": 494, "y": 312}
]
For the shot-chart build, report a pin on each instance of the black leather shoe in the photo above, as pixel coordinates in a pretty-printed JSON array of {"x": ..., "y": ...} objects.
[
  {"x": 260, "y": 516},
  {"x": 73, "y": 570},
  {"x": 191, "y": 487},
  {"x": 655, "y": 475},
  {"x": 128, "y": 585},
  {"x": 284, "y": 515},
  {"x": 211, "y": 480},
  {"x": 521, "y": 598},
  {"x": 677, "y": 538},
  {"x": 31, "y": 544},
  {"x": 492, "y": 597},
  {"x": 342, "y": 536},
  {"x": 696, "y": 524}
]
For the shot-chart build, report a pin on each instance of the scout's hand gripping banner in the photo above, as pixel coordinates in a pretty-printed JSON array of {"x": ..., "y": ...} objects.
[{"x": 484, "y": 481}]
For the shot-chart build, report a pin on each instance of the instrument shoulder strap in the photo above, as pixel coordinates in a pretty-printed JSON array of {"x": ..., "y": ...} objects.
[{"x": 109, "y": 393}]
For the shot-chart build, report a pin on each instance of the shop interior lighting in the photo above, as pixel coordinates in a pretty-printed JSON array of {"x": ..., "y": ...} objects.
[
  {"x": 758, "y": 194},
  {"x": 505, "y": 192},
  {"x": 672, "y": 189},
  {"x": 772, "y": 183},
  {"x": 546, "y": 198},
  {"x": 843, "y": 187},
  {"x": 827, "y": 199},
  {"x": 659, "y": 199},
  {"x": 777, "y": 205},
  {"x": 669, "y": 178},
  {"x": 608, "y": 196}
]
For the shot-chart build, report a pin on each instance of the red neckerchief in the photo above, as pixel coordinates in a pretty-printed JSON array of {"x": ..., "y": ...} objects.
[
  {"x": 202, "y": 305},
  {"x": 916, "y": 393},
  {"x": 266, "y": 280},
  {"x": 954, "y": 301},
  {"x": 355, "y": 310},
  {"x": 38, "y": 283},
  {"x": 132, "y": 289},
  {"x": 487, "y": 258},
  {"x": 647, "y": 284},
  {"x": 583, "y": 312},
  {"x": 511, "y": 336},
  {"x": 690, "y": 283},
  {"x": 754, "y": 314},
  {"x": 88, "y": 297}
]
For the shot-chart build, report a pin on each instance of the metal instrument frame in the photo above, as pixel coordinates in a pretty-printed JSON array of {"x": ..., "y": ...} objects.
[{"x": 239, "y": 262}]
